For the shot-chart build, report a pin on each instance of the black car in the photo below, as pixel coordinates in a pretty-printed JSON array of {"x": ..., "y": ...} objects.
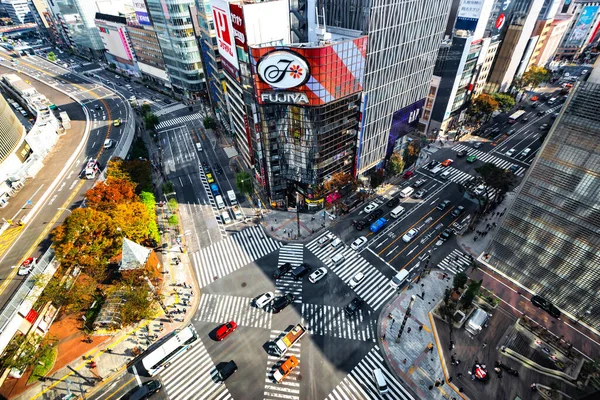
[
  {"x": 217, "y": 168},
  {"x": 282, "y": 270},
  {"x": 420, "y": 194},
  {"x": 167, "y": 101},
  {"x": 534, "y": 105},
  {"x": 359, "y": 225},
  {"x": 446, "y": 234},
  {"x": 282, "y": 302},
  {"x": 419, "y": 182},
  {"x": 300, "y": 271},
  {"x": 442, "y": 206},
  {"x": 461, "y": 153},
  {"x": 146, "y": 390},
  {"x": 97, "y": 106},
  {"x": 457, "y": 211},
  {"x": 353, "y": 307},
  {"x": 432, "y": 164},
  {"x": 393, "y": 202},
  {"x": 545, "y": 305},
  {"x": 374, "y": 215},
  {"x": 205, "y": 166},
  {"x": 226, "y": 371}
]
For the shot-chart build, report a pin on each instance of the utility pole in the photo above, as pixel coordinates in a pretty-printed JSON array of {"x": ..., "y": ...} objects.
[{"x": 406, "y": 316}]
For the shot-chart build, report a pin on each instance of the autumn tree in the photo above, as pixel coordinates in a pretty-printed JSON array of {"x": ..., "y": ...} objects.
[
  {"x": 411, "y": 153},
  {"x": 105, "y": 195},
  {"x": 395, "y": 164},
  {"x": 483, "y": 106},
  {"x": 88, "y": 238},
  {"x": 25, "y": 350},
  {"x": 133, "y": 219},
  {"x": 136, "y": 305},
  {"x": 337, "y": 180},
  {"x": 77, "y": 298},
  {"x": 535, "y": 75},
  {"x": 505, "y": 101},
  {"x": 116, "y": 169}
]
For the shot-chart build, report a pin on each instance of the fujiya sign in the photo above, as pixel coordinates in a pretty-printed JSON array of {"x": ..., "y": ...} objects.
[
  {"x": 283, "y": 69},
  {"x": 284, "y": 97}
]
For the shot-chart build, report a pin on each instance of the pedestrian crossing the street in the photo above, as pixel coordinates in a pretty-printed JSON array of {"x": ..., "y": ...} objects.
[
  {"x": 232, "y": 253},
  {"x": 294, "y": 254},
  {"x": 488, "y": 158},
  {"x": 179, "y": 120},
  {"x": 360, "y": 383},
  {"x": 289, "y": 388},
  {"x": 332, "y": 321},
  {"x": 455, "y": 262},
  {"x": 220, "y": 309},
  {"x": 190, "y": 376},
  {"x": 374, "y": 288}
]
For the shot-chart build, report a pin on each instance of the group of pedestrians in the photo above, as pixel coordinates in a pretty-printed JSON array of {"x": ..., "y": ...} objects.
[{"x": 489, "y": 225}]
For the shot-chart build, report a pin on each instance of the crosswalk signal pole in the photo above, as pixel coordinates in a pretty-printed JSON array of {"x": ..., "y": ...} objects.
[{"x": 406, "y": 316}]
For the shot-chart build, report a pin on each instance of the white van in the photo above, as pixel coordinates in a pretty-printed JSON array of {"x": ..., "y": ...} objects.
[
  {"x": 398, "y": 211},
  {"x": 552, "y": 101},
  {"x": 406, "y": 192},
  {"x": 338, "y": 259},
  {"x": 399, "y": 279},
  {"x": 219, "y": 201},
  {"x": 225, "y": 217},
  {"x": 232, "y": 198},
  {"x": 526, "y": 152},
  {"x": 477, "y": 321},
  {"x": 380, "y": 381},
  {"x": 445, "y": 175},
  {"x": 199, "y": 146},
  {"x": 337, "y": 243}
]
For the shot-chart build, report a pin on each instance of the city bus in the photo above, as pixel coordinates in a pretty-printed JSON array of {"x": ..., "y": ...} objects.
[
  {"x": 515, "y": 117},
  {"x": 169, "y": 348}
]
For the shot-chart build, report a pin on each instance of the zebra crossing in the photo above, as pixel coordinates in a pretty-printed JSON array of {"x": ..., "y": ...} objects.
[
  {"x": 289, "y": 388},
  {"x": 458, "y": 176},
  {"x": 219, "y": 309},
  {"x": 179, "y": 120},
  {"x": 230, "y": 254},
  {"x": 374, "y": 289},
  {"x": 170, "y": 109},
  {"x": 332, "y": 321},
  {"x": 488, "y": 158},
  {"x": 455, "y": 262},
  {"x": 294, "y": 254},
  {"x": 189, "y": 377},
  {"x": 360, "y": 383}
]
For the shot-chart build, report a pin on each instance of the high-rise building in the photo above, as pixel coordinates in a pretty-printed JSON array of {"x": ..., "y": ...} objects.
[
  {"x": 13, "y": 148},
  {"x": 404, "y": 39},
  {"x": 583, "y": 28},
  {"x": 117, "y": 44},
  {"x": 549, "y": 239},
  {"x": 18, "y": 11},
  {"x": 550, "y": 39},
  {"x": 172, "y": 23}
]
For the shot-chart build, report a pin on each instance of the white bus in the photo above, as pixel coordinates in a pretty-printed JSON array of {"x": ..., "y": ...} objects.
[
  {"x": 170, "y": 347},
  {"x": 515, "y": 117}
]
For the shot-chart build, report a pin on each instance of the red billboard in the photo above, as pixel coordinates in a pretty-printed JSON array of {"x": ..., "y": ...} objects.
[
  {"x": 309, "y": 76},
  {"x": 237, "y": 22}
]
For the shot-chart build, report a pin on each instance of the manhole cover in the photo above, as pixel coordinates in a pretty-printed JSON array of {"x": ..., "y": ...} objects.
[{"x": 244, "y": 284}]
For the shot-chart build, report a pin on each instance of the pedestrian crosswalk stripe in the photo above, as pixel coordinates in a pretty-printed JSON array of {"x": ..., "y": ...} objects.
[
  {"x": 457, "y": 175},
  {"x": 230, "y": 254},
  {"x": 292, "y": 253},
  {"x": 360, "y": 383},
  {"x": 455, "y": 262},
  {"x": 374, "y": 289},
  {"x": 223, "y": 308},
  {"x": 328, "y": 320},
  {"x": 189, "y": 376},
  {"x": 170, "y": 109},
  {"x": 178, "y": 120},
  {"x": 489, "y": 158}
]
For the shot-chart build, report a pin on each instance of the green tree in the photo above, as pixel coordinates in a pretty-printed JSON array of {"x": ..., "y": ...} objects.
[
  {"x": 112, "y": 66},
  {"x": 75, "y": 299},
  {"x": 535, "y": 75},
  {"x": 472, "y": 291},
  {"x": 23, "y": 351},
  {"x": 88, "y": 238},
  {"x": 209, "y": 123},
  {"x": 151, "y": 120},
  {"x": 145, "y": 109},
  {"x": 149, "y": 202},
  {"x": 518, "y": 83},
  {"x": 395, "y": 165},
  {"x": 243, "y": 182},
  {"x": 495, "y": 178},
  {"x": 168, "y": 187},
  {"x": 459, "y": 280},
  {"x": 173, "y": 205},
  {"x": 173, "y": 220},
  {"x": 505, "y": 101},
  {"x": 483, "y": 106},
  {"x": 51, "y": 56},
  {"x": 377, "y": 178},
  {"x": 137, "y": 305}
]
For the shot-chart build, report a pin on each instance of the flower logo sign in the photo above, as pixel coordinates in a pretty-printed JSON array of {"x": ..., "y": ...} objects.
[{"x": 283, "y": 69}]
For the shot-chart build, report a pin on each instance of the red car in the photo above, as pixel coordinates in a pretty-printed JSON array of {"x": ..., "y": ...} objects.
[
  {"x": 225, "y": 330},
  {"x": 408, "y": 174}
]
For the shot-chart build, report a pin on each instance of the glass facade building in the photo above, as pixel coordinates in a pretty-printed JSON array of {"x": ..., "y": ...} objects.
[
  {"x": 549, "y": 239},
  {"x": 172, "y": 21},
  {"x": 77, "y": 19}
]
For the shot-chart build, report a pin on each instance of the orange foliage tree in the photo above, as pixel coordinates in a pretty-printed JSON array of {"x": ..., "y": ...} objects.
[{"x": 113, "y": 191}]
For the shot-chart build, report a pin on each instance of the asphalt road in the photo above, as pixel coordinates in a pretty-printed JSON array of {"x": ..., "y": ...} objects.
[{"x": 33, "y": 240}]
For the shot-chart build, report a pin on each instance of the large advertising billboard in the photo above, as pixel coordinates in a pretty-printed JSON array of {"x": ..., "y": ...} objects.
[
  {"x": 500, "y": 24},
  {"x": 141, "y": 13},
  {"x": 404, "y": 121},
  {"x": 583, "y": 26},
  {"x": 468, "y": 14},
  {"x": 309, "y": 76},
  {"x": 224, "y": 30}
]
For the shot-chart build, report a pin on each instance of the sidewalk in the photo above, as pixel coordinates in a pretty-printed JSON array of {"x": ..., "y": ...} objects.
[
  {"x": 283, "y": 225},
  {"x": 422, "y": 370}
]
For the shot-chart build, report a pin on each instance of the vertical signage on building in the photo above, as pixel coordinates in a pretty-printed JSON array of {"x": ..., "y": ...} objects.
[
  {"x": 224, "y": 30},
  {"x": 502, "y": 19},
  {"x": 404, "y": 121},
  {"x": 583, "y": 26},
  {"x": 141, "y": 13},
  {"x": 237, "y": 22}
]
